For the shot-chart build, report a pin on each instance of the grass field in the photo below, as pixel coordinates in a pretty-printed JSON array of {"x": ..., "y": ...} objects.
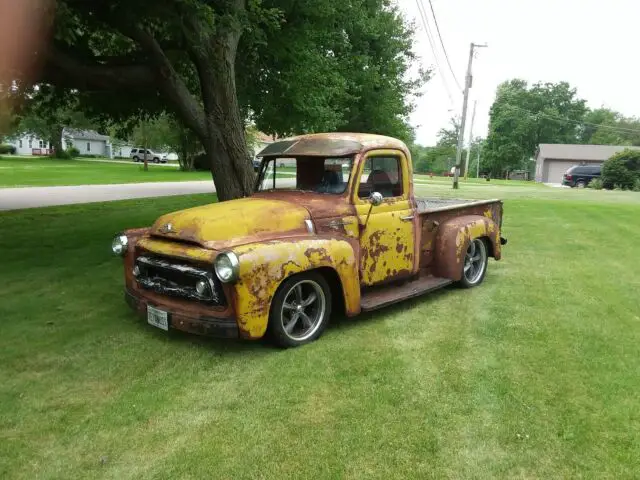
[
  {"x": 535, "y": 374},
  {"x": 25, "y": 171}
]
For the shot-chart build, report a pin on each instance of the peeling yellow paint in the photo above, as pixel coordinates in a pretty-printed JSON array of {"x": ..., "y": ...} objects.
[
  {"x": 177, "y": 250},
  {"x": 264, "y": 266},
  {"x": 223, "y": 225}
]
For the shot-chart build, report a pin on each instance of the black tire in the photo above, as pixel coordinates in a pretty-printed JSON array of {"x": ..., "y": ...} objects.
[
  {"x": 136, "y": 159},
  {"x": 474, "y": 271},
  {"x": 580, "y": 184},
  {"x": 156, "y": 160},
  {"x": 287, "y": 332}
]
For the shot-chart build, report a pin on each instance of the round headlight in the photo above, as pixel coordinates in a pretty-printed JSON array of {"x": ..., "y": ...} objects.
[
  {"x": 227, "y": 267},
  {"x": 120, "y": 244}
]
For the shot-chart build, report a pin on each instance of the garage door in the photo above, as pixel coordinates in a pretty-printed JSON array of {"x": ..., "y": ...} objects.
[{"x": 554, "y": 169}]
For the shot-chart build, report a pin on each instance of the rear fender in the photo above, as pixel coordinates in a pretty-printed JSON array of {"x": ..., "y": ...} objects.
[
  {"x": 264, "y": 266},
  {"x": 453, "y": 239}
]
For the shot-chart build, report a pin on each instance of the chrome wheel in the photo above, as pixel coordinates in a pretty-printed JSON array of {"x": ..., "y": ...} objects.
[
  {"x": 303, "y": 310},
  {"x": 475, "y": 262}
]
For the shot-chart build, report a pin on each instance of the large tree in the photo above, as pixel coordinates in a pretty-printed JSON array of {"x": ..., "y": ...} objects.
[
  {"x": 524, "y": 116},
  {"x": 287, "y": 65},
  {"x": 603, "y": 126}
]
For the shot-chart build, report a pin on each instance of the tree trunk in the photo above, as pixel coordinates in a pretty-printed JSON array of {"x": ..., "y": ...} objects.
[
  {"x": 56, "y": 141},
  {"x": 224, "y": 140}
]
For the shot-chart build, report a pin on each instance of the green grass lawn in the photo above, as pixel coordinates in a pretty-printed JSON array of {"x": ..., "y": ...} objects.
[
  {"x": 535, "y": 374},
  {"x": 30, "y": 171}
]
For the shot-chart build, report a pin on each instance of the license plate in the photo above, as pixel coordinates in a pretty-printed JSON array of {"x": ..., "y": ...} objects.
[{"x": 157, "y": 318}]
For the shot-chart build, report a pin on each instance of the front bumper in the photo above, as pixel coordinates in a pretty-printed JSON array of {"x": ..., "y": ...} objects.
[{"x": 186, "y": 322}]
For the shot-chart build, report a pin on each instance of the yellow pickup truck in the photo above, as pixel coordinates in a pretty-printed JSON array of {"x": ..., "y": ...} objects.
[{"x": 333, "y": 225}]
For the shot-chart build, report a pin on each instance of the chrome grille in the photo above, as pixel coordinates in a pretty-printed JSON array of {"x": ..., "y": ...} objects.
[{"x": 177, "y": 280}]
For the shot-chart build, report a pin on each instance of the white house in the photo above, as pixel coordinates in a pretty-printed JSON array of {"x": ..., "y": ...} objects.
[
  {"x": 88, "y": 142},
  {"x": 30, "y": 145}
]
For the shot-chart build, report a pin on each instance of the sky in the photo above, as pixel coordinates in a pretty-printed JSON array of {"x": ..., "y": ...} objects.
[{"x": 591, "y": 44}]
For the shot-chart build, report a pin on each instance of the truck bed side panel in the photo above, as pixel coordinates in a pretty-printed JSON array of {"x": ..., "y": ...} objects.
[{"x": 443, "y": 210}]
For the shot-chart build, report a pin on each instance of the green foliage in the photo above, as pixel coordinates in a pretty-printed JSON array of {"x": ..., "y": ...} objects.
[
  {"x": 596, "y": 184},
  {"x": 636, "y": 185},
  {"x": 352, "y": 78},
  {"x": 604, "y": 126},
  {"x": 622, "y": 170},
  {"x": 73, "y": 152},
  {"x": 7, "y": 149},
  {"x": 524, "y": 116}
]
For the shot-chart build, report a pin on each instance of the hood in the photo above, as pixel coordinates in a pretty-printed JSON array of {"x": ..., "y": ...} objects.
[{"x": 236, "y": 222}]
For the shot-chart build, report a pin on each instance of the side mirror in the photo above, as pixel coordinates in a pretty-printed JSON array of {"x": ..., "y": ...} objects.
[{"x": 376, "y": 198}]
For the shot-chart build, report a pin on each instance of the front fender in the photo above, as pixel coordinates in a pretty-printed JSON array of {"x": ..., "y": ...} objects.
[
  {"x": 263, "y": 267},
  {"x": 453, "y": 239}
]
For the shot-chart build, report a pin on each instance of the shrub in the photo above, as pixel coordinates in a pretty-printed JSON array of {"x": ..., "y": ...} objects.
[
  {"x": 596, "y": 184},
  {"x": 622, "y": 169},
  {"x": 89, "y": 155},
  {"x": 636, "y": 185},
  {"x": 62, "y": 154},
  {"x": 7, "y": 149},
  {"x": 73, "y": 152}
]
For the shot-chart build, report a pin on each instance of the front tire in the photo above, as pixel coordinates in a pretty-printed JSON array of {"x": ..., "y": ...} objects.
[
  {"x": 156, "y": 160},
  {"x": 474, "y": 267},
  {"x": 136, "y": 159},
  {"x": 580, "y": 184},
  {"x": 300, "y": 310}
]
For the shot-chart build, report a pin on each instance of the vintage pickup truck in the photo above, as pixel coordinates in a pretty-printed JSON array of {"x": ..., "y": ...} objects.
[{"x": 333, "y": 224}]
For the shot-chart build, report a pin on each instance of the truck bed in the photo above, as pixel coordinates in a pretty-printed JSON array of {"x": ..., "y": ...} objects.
[{"x": 428, "y": 204}]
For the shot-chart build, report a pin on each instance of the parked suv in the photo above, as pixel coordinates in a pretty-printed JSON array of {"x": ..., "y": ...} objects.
[
  {"x": 580, "y": 175},
  {"x": 137, "y": 154}
]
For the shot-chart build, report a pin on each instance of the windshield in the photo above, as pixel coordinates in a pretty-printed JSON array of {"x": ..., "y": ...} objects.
[{"x": 316, "y": 174}]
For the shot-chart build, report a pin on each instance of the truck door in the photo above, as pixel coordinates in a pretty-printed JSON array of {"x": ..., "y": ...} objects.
[{"x": 387, "y": 241}]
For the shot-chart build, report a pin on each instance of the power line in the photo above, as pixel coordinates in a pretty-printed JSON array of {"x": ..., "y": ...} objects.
[
  {"x": 568, "y": 120},
  {"x": 435, "y": 20},
  {"x": 425, "y": 24}
]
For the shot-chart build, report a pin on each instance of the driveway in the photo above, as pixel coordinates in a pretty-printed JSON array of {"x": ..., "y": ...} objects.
[{"x": 31, "y": 197}]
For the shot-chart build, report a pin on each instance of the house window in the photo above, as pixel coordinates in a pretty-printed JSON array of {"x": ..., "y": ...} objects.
[
  {"x": 31, "y": 143},
  {"x": 20, "y": 143},
  {"x": 41, "y": 143},
  {"x": 88, "y": 146}
]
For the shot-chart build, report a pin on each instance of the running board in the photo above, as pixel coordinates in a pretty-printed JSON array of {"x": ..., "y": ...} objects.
[{"x": 383, "y": 296}]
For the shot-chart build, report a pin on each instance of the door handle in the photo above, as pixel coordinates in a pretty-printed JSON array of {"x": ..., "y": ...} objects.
[{"x": 408, "y": 218}]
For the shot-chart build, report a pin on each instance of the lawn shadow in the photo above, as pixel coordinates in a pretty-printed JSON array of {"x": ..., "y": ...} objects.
[{"x": 342, "y": 322}]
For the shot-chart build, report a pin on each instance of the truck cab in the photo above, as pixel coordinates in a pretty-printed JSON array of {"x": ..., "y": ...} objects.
[{"x": 333, "y": 224}]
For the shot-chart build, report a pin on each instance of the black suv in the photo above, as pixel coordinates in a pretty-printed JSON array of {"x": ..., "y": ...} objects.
[{"x": 580, "y": 175}]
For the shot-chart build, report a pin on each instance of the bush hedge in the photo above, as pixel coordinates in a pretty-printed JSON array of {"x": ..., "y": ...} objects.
[
  {"x": 7, "y": 149},
  {"x": 622, "y": 170}
]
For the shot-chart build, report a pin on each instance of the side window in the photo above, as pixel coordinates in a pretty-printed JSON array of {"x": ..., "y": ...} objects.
[{"x": 383, "y": 175}]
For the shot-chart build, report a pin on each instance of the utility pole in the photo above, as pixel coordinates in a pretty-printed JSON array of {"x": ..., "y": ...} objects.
[
  {"x": 465, "y": 101},
  {"x": 466, "y": 161}
]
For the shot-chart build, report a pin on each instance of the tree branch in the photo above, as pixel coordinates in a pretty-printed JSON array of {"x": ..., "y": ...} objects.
[
  {"x": 168, "y": 79},
  {"x": 64, "y": 70}
]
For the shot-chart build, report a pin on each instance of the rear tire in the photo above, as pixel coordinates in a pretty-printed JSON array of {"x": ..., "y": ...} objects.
[
  {"x": 580, "y": 184},
  {"x": 300, "y": 310},
  {"x": 136, "y": 159},
  {"x": 474, "y": 266}
]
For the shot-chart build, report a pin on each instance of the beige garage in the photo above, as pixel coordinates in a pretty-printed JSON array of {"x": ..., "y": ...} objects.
[{"x": 554, "y": 159}]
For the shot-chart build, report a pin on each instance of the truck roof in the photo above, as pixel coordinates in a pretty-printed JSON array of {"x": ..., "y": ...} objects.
[{"x": 330, "y": 145}]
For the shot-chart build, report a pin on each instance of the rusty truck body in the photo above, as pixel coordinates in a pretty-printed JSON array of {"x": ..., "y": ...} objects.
[{"x": 333, "y": 223}]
